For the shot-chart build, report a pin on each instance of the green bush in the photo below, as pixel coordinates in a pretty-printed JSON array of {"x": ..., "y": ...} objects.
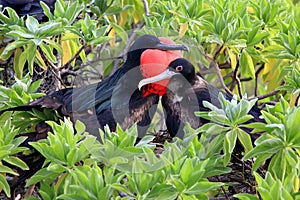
[{"x": 240, "y": 46}]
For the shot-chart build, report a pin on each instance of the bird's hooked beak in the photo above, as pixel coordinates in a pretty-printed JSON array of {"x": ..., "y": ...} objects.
[
  {"x": 165, "y": 47},
  {"x": 162, "y": 76}
]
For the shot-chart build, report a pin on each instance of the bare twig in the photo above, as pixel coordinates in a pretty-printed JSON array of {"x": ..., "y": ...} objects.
[
  {"x": 57, "y": 76},
  {"x": 267, "y": 103},
  {"x": 68, "y": 72},
  {"x": 53, "y": 69},
  {"x": 297, "y": 99},
  {"x": 126, "y": 49},
  {"x": 239, "y": 86},
  {"x": 223, "y": 189},
  {"x": 225, "y": 65},
  {"x": 217, "y": 52},
  {"x": 71, "y": 60},
  {"x": 237, "y": 79},
  {"x": 146, "y": 8},
  {"x": 215, "y": 66},
  {"x": 111, "y": 58},
  {"x": 265, "y": 95},
  {"x": 52, "y": 65},
  {"x": 256, "y": 74},
  {"x": 131, "y": 39}
]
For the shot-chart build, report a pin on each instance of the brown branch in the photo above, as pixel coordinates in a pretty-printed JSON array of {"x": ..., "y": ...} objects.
[
  {"x": 223, "y": 189},
  {"x": 237, "y": 79},
  {"x": 52, "y": 68},
  {"x": 58, "y": 78},
  {"x": 217, "y": 52},
  {"x": 146, "y": 8},
  {"x": 215, "y": 66},
  {"x": 239, "y": 86},
  {"x": 297, "y": 99},
  {"x": 71, "y": 60},
  {"x": 47, "y": 60},
  {"x": 265, "y": 95},
  {"x": 126, "y": 49},
  {"x": 256, "y": 74},
  {"x": 229, "y": 75},
  {"x": 225, "y": 65},
  {"x": 111, "y": 58},
  {"x": 267, "y": 103},
  {"x": 131, "y": 39}
]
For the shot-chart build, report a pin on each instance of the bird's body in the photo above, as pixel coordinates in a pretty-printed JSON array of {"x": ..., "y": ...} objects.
[{"x": 117, "y": 98}]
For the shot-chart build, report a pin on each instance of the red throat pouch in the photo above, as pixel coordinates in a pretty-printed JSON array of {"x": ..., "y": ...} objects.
[{"x": 154, "y": 62}]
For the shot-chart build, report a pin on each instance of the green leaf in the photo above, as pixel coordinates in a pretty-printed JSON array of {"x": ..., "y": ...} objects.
[
  {"x": 4, "y": 185},
  {"x": 5, "y": 169},
  {"x": 229, "y": 144},
  {"x": 49, "y": 29},
  {"x": 243, "y": 119},
  {"x": 10, "y": 47},
  {"x": 32, "y": 24},
  {"x": 292, "y": 126},
  {"x": 48, "y": 51},
  {"x": 30, "y": 56},
  {"x": 203, "y": 186},
  {"x": 246, "y": 197},
  {"x": 245, "y": 139},
  {"x": 179, "y": 185},
  {"x": 120, "y": 32},
  {"x": 101, "y": 39},
  {"x": 162, "y": 191},
  {"x": 19, "y": 63},
  {"x": 21, "y": 34},
  {"x": 34, "y": 86},
  {"x": 16, "y": 162},
  {"x": 186, "y": 172},
  {"x": 247, "y": 65},
  {"x": 54, "y": 45},
  {"x": 42, "y": 174},
  {"x": 59, "y": 9},
  {"x": 47, "y": 10},
  {"x": 268, "y": 146}
]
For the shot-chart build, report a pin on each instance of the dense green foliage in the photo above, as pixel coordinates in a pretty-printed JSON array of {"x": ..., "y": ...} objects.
[{"x": 245, "y": 47}]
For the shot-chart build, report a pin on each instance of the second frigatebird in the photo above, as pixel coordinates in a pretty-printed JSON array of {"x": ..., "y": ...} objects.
[
  {"x": 116, "y": 99},
  {"x": 185, "y": 94}
]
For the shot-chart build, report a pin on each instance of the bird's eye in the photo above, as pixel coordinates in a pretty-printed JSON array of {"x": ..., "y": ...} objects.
[{"x": 179, "y": 68}]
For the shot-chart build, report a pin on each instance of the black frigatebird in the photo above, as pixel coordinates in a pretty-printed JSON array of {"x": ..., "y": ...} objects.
[
  {"x": 185, "y": 94},
  {"x": 117, "y": 98},
  {"x": 114, "y": 100}
]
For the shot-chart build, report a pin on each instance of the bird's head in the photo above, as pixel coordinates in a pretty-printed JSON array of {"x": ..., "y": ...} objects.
[
  {"x": 151, "y": 42},
  {"x": 156, "y": 58},
  {"x": 179, "y": 70}
]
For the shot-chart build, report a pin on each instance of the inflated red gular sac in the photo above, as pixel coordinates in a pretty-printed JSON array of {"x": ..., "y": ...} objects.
[{"x": 153, "y": 63}]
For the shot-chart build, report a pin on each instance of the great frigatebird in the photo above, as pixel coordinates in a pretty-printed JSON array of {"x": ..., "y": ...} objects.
[
  {"x": 185, "y": 94},
  {"x": 115, "y": 99}
]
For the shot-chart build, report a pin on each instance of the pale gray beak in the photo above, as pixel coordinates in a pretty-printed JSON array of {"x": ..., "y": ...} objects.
[
  {"x": 162, "y": 76},
  {"x": 164, "y": 46}
]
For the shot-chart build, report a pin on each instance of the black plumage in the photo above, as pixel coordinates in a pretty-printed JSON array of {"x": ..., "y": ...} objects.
[{"x": 185, "y": 95}]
